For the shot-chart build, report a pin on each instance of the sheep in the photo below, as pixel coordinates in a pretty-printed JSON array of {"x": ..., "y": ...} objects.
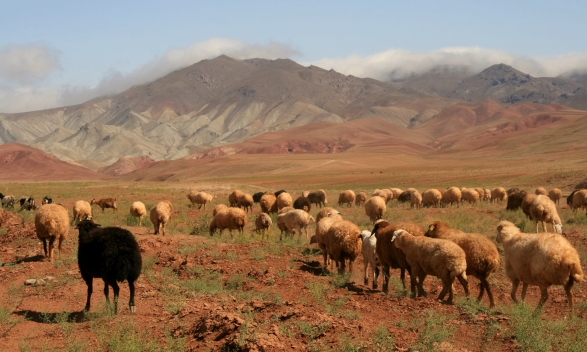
[
  {"x": 540, "y": 191},
  {"x": 257, "y": 196},
  {"x": 404, "y": 197},
  {"x": 431, "y": 198},
  {"x": 51, "y": 223},
  {"x": 81, "y": 210},
  {"x": 526, "y": 202},
  {"x": 246, "y": 201},
  {"x": 47, "y": 200},
  {"x": 481, "y": 192},
  {"x": 160, "y": 215},
  {"x": 276, "y": 194},
  {"x": 324, "y": 213},
  {"x": 200, "y": 198},
  {"x": 233, "y": 197},
  {"x": 512, "y": 190},
  {"x": 470, "y": 195},
  {"x": 231, "y": 219},
  {"x": 268, "y": 203},
  {"x": 302, "y": 203},
  {"x": 109, "y": 253},
  {"x": 346, "y": 197},
  {"x": 416, "y": 200},
  {"x": 482, "y": 254},
  {"x": 389, "y": 255},
  {"x": 368, "y": 249},
  {"x": 343, "y": 243},
  {"x": 27, "y": 204},
  {"x": 579, "y": 199},
  {"x": 105, "y": 203},
  {"x": 284, "y": 210},
  {"x": 138, "y": 210},
  {"x": 375, "y": 208},
  {"x": 383, "y": 194},
  {"x": 281, "y": 225},
  {"x": 297, "y": 219},
  {"x": 544, "y": 210},
  {"x": 360, "y": 198},
  {"x": 498, "y": 194},
  {"x": 538, "y": 259},
  {"x": 218, "y": 208},
  {"x": 452, "y": 195},
  {"x": 284, "y": 199},
  {"x": 515, "y": 200},
  {"x": 8, "y": 202},
  {"x": 555, "y": 195},
  {"x": 431, "y": 256},
  {"x": 570, "y": 199},
  {"x": 396, "y": 192},
  {"x": 262, "y": 223},
  {"x": 487, "y": 196},
  {"x": 318, "y": 197},
  {"x": 322, "y": 227}
]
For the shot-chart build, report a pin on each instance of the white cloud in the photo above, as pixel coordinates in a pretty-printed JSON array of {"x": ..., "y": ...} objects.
[{"x": 27, "y": 64}]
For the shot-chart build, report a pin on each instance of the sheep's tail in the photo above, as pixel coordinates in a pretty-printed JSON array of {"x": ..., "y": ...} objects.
[
  {"x": 576, "y": 271},
  {"x": 459, "y": 270}
]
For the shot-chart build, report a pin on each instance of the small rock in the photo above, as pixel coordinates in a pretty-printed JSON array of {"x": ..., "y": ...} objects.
[
  {"x": 49, "y": 278},
  {"x": 30, "y": 282}
]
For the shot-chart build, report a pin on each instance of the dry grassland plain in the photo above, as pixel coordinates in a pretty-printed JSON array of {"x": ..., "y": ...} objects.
[{"x": 200, "y": 292}]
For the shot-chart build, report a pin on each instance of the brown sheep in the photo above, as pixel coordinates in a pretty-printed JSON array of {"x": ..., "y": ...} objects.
[
  {"x": 431, "y": 198},
  {"x": 416, "y": 200},
  {"x": 346, "y": 197},
  {"x": 526, "y": 202},
  {"x": 284, "y": 200},
  {"x": 231, "y": 219},
  {"x": 375, "y": 208},
  {"x": 555, "y": 195},
  {"x": 360, "y": 198},
  {"x": 481, "y": 192},
  {"x": 262, "y": 224},
  {"x": 318, "y": 197},
  {"x": 200, "y": 198},
  {"x": 322, "y": 227},
  {"x": 234, "y": 196},
  {"x": 343, "y": 242},
  {"x": 481, "y": 252},
  {"x": 324, "y": 213},
  {"x": 579, "y": 199},
  {"x": 218, "y": 208},
  {"x": 470, "y": 195},
  {"x": 540, "y": 191},
  {"x": 452, "y": 195},
  {"x": 138, "y": 210},
  {"x": 105, "y": 203},
  {"x": 396, "y": 192},
  {"x": 51, "y": 223},
  {"x": 383, "y": 194},
  {"x": 245, "y": 201},
  {"x": 498, "y": 194},
  {"x": 515, "y": 200},
  {"x": 268, "y": 203}
]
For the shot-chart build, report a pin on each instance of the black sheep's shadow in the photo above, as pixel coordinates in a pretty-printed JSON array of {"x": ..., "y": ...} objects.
[
  {"x": 35, "y": 258},
  {"x": 314, "y": 268},
  {"x": 53, "y": 318}
]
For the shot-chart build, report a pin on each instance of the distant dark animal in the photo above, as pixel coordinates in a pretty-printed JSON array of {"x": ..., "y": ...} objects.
[
  {"x": 515, "y": 200},
  {"x": 302, "y": 203},
  {"x": 570, "y": 199},
  {"x": 109, "y": 253},
  {"x": 512, "y": 190},
  {"x": 405, "y": 196},
  {"x": 27, "y": 204},
  {"x": 257, "y": 196},
  {"x": 47, "y": 200},
  {"x": 279, "y": 192}
]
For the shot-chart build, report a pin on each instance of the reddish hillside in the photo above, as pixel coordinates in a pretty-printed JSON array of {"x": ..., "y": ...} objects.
[
  {"x": 126, "y": 165},
  {"x": 23, "y": 163}
]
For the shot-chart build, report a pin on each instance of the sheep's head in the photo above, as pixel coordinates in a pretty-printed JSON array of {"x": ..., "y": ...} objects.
[
  {"x": 435, "y": 229},
  {"x": 505, "y": 229},
  {"x": 313, "y": 239},
  {"x": 87, "y": 225},
  {"x": 93, "y": 201},
  {"x": 399, "y": 233},
  {"x": 379, "y": 224},
  {"x": 365, "y": 234},
  {"x": 558, "y": 228}
]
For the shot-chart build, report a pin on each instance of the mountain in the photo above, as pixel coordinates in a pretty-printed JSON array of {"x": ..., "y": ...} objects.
[{"x": 126, "y": 165}]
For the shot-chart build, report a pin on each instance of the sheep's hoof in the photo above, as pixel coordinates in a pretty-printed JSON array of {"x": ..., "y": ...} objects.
[{"x": 133, "y": 308}]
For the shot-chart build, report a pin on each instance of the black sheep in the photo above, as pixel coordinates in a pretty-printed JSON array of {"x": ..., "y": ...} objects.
[
  {"x": 404, "y": 197},
  {"x": 302, "y": 203},
  {"x": 47, "y": 200},
  {"x": 109, "y": 253},
  {"x": 279, "y": 192},
  {"x": 257, "y": 196},
  {"x": 515, "y": 200},
  {"x": 570, "y": 199}
]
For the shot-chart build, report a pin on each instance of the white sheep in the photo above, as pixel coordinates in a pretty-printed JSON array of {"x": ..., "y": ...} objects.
[
  {"x": 555, "y": 195},
  {"x": 452, "y": 195},
  {"x": 200, "y": 198},
  {"x": 231, "y": 219},
  {"x": 416, "y": 200},
  {"x": 368, "y": 249},
  {"x": 297, "y": 220},
  {"x": 262, "y": 224},
  {"x": 81, "y": 210},
  {"x": 51, "y": 223},
  {"x": 470, "y": 195},
  {"x": 375, "y": 208},
  {"x": 138, "y": 210},
  {"x": 544, "y": 210},
  {"x": 160, "y": 215}
]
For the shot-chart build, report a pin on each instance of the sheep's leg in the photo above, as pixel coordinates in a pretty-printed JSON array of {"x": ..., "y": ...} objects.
[
  {"x": 131, "y": 302},
  {"x": 524, "y": 289},
  {"x": 116, "y": 290},
  {"x": 413, "y": 285},
  {"x": 107, "y": 294},
  {"x": 45, "y": 246},
  {"x": 51, "y": 244},
  {"x": 485, "y": 284},
  {"x": 543, "y": 297},
  {"x": 141, "y": 221},
  {"x": 366, "y": 273},
  {"x": 402, "y": 276},
  {"x": 446, "y": 284},
  {"x": 451, "y": 293},
  {"x": 481, "y": 290},
  {"x": 351, "y": 262},
  {"x": 422, "y": 276},
  {"x": 376, "y": 278},
  {"x": 386, "y": 278},
  {"x": 342, "y": 267},
  {"x": 465, "y": 284},
  {"x": 544, "y": 225},
  {"x": 515, "y": 284},
  {"x": 59, "y": 245},
  {"x": 90, "y": 284},
  {"x": 568, "y": 287}
]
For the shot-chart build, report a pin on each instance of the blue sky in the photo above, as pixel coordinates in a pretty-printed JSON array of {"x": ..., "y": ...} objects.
[{"x": 55, "y": 53}]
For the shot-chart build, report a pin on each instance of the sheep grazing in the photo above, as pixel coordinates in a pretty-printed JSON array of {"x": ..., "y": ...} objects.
[
  {"x": 279, "y": 192},
  {"x": 396, "y": 192},
  {"x": 431, "y": 198},
  {"x": 430, "y": 256},
  {"x": 47, "y": 200},
  {"x": 105, "y": 203},
  {"x": 138, "y": 210},
  {"x": 515, "y": 200},
  {"x": 297, "y": 220},
  {"x": 526, "y": 202},
  {"x": 262, "y": 224},
  {"x": 200, "y": 199},
  {"x": 416, "y": 200},
  {"x": 281, "y": 225},
  {"x": 470, "y": 195},
  {"x": 160, "y": 215},
  {"x": 512, "y": 190},
  {"x": 27, "y": 204},
  {"x": 268, "y": 203},
  {"x": 555, "y": 195},
  {"x": 570, "y": 199},
  {"x": 284, "y": 199},
  {"x": 539, "y": 259},
  {"x": 302, "y": 203},
  {"x": 257, "y": 196},
  {"x": 346, "y": 197},
  {"x": 322, "y": 226},
  {"x": 324, "y": 213},
  {"x": 246, "y": 202},
  {"x": 368, "y": 249},
  {"x": 318, "y": 197},
  {"x": 579, "y": 199},
  {"x": 109, "y": 253},
  {"x": 452, "y": 195},
  {"x": 383, "y": 194},
  {"x": 82, "y": 210},
  {"x": 284, "y": 210},
  {"x": 360, "y": 198},
  {"x": 218, "y": 208},
  {"x": 404, "y": 197},
  {"x": 498, "y": 194},
  {"x": 8, "y": 202},
  {"x": 51, "y": 223},
  {"x": 343, "y": 243},
  {"x": 482, "y": 254},
  {"x": 487, "y": 195},
  {"x": 375, "y": 208},
  {"x": 481, "y": 192},
  {"x": 231, "y": 219},
  {"x": 233, "y": 197},
  {"x": 544, "y": 210},
  {"x": 389, "y": 255},
  {"x": 540, "y": 191}
]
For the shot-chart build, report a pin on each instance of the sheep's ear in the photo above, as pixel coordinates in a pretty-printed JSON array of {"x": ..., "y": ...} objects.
[
  {"x": 499, "y": 228},
  {"x": 431, "y": 227}
]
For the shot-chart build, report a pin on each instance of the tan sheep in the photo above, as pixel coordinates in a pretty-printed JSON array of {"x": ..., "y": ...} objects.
[
  {"x": 431, "y": 256},
  {"x": 218, "y": 208},
  {"x": 200, "y": 199},
  {"x": 416, "y": 200},
  {"x": 160, "y": 215},
  {"x": 487, "y": 195},
  {"x": 470, "y": 195},
  {"x": 51, "y": 223},
  {"x": 381, "y": 193},
  {"x": 481, "y": 192},
  {"x": 375, "y": 208},
  {"x": 245, "y": 201},
  {"x": 555, "y": 195},
  {"x": 389, "y": 255},
  {"x": 526, "y": 203},
  {"x": 284, "y": 200},
  {"x": 284, "y": 210},
  {"x": 322, "y": 227},
  {"x": 579, "y": 200},
  {"x": 452, "y": 196},
  {"x": 268, "y": 203},
  {"x": 540, "y": 191},
  {"x": 343, "y": 242},
  {"x": 81, "y": 210},
  {"x": 297, "y": 220},
  {"x": 544, "y": 210},
  {"x": 396, "y": 192},
  {"x": 481, "y": 252},
  {"x": 281, "y": 225},
  {"x": 346, "y": 197},
  {"x": 262, "y": 224},
  {"x": 318, "y": 197},
  {"x": 231, "y": 219},
  {"x": 539, "y": 259},
  {"x": 498, "y": 194},
  {"x": 324, "y": 213},
  {"x": 360, "y": 198},
  {"x": 138, "y": 210},
  {"x": 431, "y": 198},
  {"x": 234, "y": 196}
]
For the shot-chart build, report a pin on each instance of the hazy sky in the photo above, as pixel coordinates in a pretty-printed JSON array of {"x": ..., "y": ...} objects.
[{"x": 55, "y": 53}]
